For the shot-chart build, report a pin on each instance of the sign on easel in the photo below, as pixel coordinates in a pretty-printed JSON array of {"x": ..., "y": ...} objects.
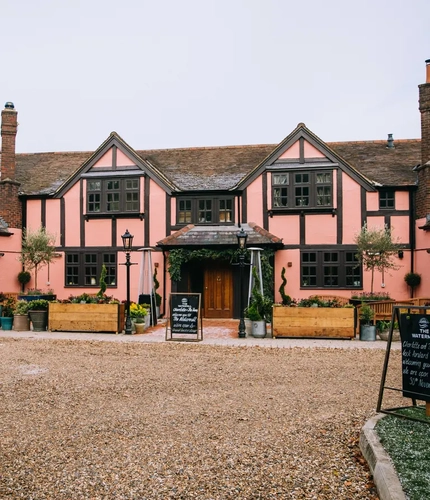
[
  {"x": 185, "y": 317},
  {"x": 415, "y": 334}
]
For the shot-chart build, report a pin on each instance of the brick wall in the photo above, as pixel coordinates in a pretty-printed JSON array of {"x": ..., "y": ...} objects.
[
  {"x": 423, "y": 193},
  {"x": 10, "y": 205}
]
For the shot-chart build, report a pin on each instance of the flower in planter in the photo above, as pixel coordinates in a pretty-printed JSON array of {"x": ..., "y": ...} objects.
[
  {"x": 22, "y": 307},
  {"x": 9, "y": 307},
  {"x": 137, "y": 312}
]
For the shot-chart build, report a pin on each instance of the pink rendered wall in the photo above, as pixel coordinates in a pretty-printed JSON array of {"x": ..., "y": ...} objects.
[
  {"x": 351, "y": 201},
  {"x": 402, "y": 200},
  {"x": 123, "y": 160},
  {"x": 292, "y": 152},
  {"x": 372, "y": 201},
  {"x": 286, "y": 227},
  {"x": 105, "y": 160},
  {"x": 255, "y": 201},
  {"x": 157, "y": 211},
  {"x": 400, "y": 228},
  {"x": 377, "y": 222},
  {"x": 321, "y": 230},
  {"x": 53, "y": 219},
  {"x": 311, "y": 151},
  {"x": 135, "y": 227},
  {"x": 72, "y": 216},
  {"x": 98, "y": 232},
  {"x": 173, "y": 211},
  {"x": 9, "y": 263},
  {"x": 34, "y": 215}
]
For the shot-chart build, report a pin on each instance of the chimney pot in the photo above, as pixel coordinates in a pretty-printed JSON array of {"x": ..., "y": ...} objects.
[
  {"x": 9, "y": 105},
  {"x": 390, "y": 141},
  {"x": 428, "y": 71}
]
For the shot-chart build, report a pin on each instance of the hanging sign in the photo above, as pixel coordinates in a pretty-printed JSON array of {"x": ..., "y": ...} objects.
[{"x": 415, "y": 335}]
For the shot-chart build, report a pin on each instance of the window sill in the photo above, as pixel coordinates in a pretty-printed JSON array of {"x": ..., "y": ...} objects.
[
  {"x": 131, "y": 215},
  {"x": 301, "y": 210}
]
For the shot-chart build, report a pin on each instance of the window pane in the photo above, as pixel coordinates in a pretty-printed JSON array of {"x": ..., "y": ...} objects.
[
  {"x": 225, "y": 210},
  {"x": 72, "y": 269},
  {"x": 323, "y": 195},
  {"x": 112, "y": 185},
  {"x": 132, "y": 184},
  {"x": 94, "y": 185},
  {"x": 309, "y": 276},
  {"x": 331, "y": 277},
  {"x": 131, "y": 202},
  {"x": 280, "y": 197},
  {"x": 112, "y": 202},
  {"x": 280, "y": 179},
  {"x": 302, "y": 196},
  {"x": 109, "y": 260},
  {"x": 205, "y": 211},
  {"x": 90, "y": 269}
]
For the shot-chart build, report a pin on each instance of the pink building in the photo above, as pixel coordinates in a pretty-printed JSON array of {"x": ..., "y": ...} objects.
[{"x": 301, "y": 201}]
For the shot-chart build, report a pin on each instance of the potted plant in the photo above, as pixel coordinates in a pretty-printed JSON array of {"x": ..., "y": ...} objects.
[
  {"x": 376, "y": 250},
  {"x": 2, "y": 300},
  {"x": 21, "y": 321},
  {"x": 286, "y": 299},
  {"x": 37, "y": 250},
  {"x": 138, "y": 314},
  {"x": 383, "y": 330},
  {"x": 413, "y": 280},
  {"x": 367, "y": 329},
  {"x": 24, "y": 277},
  {"x": 38, "y": 312},
  {"x": 8, "y": 311}
]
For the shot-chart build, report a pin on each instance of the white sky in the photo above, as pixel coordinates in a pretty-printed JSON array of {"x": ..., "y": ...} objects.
[{"x": 184, "y": 73}]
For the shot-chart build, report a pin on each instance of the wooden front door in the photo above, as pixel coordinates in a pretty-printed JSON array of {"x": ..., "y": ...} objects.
[{"x": 218, "y": 291}]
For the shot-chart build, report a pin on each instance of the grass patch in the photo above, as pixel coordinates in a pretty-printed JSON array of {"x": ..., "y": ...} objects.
[{"x": 408, "y": 444}]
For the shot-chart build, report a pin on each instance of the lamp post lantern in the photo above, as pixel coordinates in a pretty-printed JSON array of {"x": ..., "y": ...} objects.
[
  {"x": 241, "y": 240},
  {"x": 127, "y": 241}
]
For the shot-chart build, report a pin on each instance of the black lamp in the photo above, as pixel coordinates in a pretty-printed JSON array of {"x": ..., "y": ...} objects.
[
  {"x": 127, "y": 241},
  {"x": 241, "y": 240}
]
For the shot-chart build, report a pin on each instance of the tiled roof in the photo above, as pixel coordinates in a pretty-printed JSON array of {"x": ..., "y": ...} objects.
[
  {"x": 219, "y": 235},
  {"x": 221, "y": 168}
]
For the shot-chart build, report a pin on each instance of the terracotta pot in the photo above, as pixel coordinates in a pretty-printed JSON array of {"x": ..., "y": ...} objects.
[{"x": 21, "y": 323}]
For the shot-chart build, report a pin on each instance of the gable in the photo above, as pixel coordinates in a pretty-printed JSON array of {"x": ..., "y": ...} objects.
[
  {"x": 115, "y": 158},
  {"x": 303, "y": 149}
]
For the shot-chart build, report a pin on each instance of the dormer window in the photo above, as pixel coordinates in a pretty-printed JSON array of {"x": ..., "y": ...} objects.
[
  {"x": 207, "y": 210},
  {"x": 111, "y": 196},
  {"x": 306, "y": 189}
]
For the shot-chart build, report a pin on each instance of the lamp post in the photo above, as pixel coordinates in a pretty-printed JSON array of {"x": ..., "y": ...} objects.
[
  {"x": 241, "y": 240},
  {"x": 127, "y": 241}
]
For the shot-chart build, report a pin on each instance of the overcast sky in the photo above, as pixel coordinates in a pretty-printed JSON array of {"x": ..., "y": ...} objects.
[{"x": 184, "y": 73}]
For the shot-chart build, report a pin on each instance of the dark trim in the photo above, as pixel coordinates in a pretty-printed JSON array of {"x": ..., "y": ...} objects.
[
  {"x": 320, "y": 247},
  {"x": 168, "y": 214},
  {"x": 388, "y": 212},
  {"x": 43, "y": 212},
  {"x": 302, "y": 229},
  {"x": 412, "y": 242},
  {"x": 113, "y": 232},
  {"x": 301, "y": 150},
  {"x": 363, "y": 205},
  {"x": 299, "y": 211},
  {"x": 339, "y": 209},
  {"x": 115, "y": 215},
  {"x": 114, "y": 157},
  {"x": 62, "y": 222},
  {"x": 387, "y": 221},
  {"x": 81, "y": 208},
  {"x": 244, "y": 199},
  {"x": 147, "y": 193},
  {"x": 264, "y": 200},
  {"x": 24, "y": 213}
]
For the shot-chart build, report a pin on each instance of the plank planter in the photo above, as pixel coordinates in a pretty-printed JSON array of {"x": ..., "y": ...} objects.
[
  {"x": 311, "y": 322},
  {"x": 86, "y": 317}
]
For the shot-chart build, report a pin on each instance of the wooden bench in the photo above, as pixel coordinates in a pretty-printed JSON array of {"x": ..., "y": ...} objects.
[{"x": 383, "y": 309}]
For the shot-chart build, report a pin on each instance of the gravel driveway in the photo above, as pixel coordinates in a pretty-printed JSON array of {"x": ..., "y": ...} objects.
[{"x": 102, "y": 420}]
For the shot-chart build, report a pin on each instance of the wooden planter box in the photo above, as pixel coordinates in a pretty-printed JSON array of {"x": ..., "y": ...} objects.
[
  {"x": 324, "y": 322},
  {"x": 86, "y": 317}
]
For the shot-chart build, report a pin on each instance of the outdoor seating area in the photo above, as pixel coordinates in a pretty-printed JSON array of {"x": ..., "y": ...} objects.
[{"x": 383, "y": 310}]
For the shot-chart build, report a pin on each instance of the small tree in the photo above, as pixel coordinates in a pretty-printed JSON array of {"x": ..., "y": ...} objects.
[
  {"x": 376, "y": 249},
  {"x": 102, "y": 282},
  {"x": 37, "y": 250}
]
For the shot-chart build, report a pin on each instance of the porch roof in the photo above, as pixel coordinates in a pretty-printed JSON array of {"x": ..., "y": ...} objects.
[{"x": 204, "y": 236}]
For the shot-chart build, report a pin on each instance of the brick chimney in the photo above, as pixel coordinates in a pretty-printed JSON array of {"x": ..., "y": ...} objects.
[
  {"x": 423, "y": 194},
  {"x": 9, "y": 127},
  {"x": 10, "y": 205}
]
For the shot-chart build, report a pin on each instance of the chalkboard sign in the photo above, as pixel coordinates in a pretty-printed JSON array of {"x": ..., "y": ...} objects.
[
  {"x": 185, "y": 315},
  {"x": 415, "y": 335}
]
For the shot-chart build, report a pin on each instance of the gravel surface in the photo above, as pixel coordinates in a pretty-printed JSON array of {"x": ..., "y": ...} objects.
[{"x": 101, "y": 420}]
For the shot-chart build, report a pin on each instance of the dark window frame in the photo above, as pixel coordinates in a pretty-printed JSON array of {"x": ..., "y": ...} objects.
[
  {"x": 387, "y": 199},
  {"x": 83, "y": 269},
  {"x": 330, "y": 269},
  {"x": 301, "y": 189},
  {"x": 205, "y": 210},
  {"x": 113, "y": 196}
]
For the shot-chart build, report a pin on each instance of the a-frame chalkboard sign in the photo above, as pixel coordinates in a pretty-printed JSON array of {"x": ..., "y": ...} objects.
[
  {"x": 185, "y": 321},
  {"x": 414, "y": 326}
]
